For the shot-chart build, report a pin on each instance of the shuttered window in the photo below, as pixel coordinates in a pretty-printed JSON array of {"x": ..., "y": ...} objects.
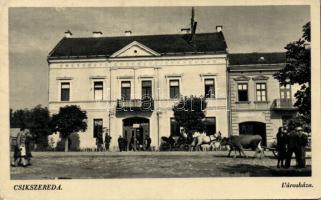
[
  {"x": 285, "y": 92},
  {"x": 98, "y": 90},
  {"x": 125, "y": 90},
  {"x": 209, "y": 88},
  {"x": 146, "y": 89},
  {"x": 261, "y": 91},
  {"x": 174, "y": 89},
  {"x": 65, "y": 91},
  {"x": 242, "y": 91}
]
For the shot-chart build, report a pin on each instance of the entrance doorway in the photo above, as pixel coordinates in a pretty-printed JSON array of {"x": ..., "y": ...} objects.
[
  {"x": 253, "y": 128},
  {"x": 136, "y": 132}
]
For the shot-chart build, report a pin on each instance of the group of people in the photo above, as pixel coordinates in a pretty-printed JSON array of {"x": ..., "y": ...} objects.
[
  {"x": 289, "y": 142},
  {"x": 22, "y": 148},
  {"x": 103, "y": 144},
  {"x": 134, "y": 144}
]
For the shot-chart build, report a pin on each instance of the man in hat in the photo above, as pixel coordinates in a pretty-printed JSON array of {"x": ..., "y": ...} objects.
[
  {"x": 292, "y": 147},
  {"x": 302, "y": 142}
]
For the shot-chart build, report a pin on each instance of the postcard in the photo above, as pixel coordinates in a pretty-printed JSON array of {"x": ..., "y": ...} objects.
[{"x": 160, "y": 100}]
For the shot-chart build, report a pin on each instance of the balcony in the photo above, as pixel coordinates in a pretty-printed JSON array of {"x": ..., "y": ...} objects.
[
  {"x": 283, "y": 105},
  {"x": 135, "y": 105}
]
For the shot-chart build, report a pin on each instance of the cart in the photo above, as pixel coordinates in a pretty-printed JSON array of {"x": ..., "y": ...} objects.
[{"x": 271, "y": 147}]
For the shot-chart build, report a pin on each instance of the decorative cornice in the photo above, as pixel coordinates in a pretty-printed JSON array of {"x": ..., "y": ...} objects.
[
  {"x": 64, "y": 78},
  {"x": 140, "y": 62},
  {"x": 260, "y": 78},
  {"x": 208, "y": 74},
  {"x": 125, "y": 77},
  {"x": 255, "y": 67},
  {"x": 173, "y": 75},
  {"x": 242, "y": 78},
  {"x": 146, "y": 76},
  {"x": 97, "y": 77}
]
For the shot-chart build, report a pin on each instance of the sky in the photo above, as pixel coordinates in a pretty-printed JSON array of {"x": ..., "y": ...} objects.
[{"x": 33, "y": 33}]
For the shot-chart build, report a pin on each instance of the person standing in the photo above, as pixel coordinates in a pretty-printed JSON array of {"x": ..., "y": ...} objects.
[
  {"x": 21, "y": 147},
  {"x": 99, "y": 140},
  {"x": 302, "y": 142},
  {"x": 292, "y": 144},
  {"x": 107, "y": 142},
  {"x": 281, "y": 146},
  {"x": 125, "y": 144},
  {"x": 120, "y": 143},
  {"x": 28, "y": 146},
  {"x": 16, "y": 154},
  {"x": 148, "y": 142}
]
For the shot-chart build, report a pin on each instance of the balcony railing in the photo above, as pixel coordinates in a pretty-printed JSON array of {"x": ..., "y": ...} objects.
[
  {"x": 283, "y": 105},
  {"x": 135, "y": 105}
]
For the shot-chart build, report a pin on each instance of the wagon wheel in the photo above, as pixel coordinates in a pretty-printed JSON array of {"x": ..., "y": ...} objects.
[
  {"x": 184, "y": 147},
  {"x": 165, "y": 147},
  {"x": 274, "y": 151}
]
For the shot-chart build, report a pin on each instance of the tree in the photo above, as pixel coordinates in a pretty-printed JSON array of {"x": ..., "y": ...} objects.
[
  {"x": 70, "y": 119},
  {"x": 189, "y": 113},
  {"x": 38, "y": 123},
  {"x": 19, "y": 117},
  {"x": 36, "y": 119},
  {"x": 298, "y": 71}
]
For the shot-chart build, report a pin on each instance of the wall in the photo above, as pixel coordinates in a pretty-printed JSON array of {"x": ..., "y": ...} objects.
[
  {"x": 254, "y": 111},
  {"x": 190, "y": 71}
]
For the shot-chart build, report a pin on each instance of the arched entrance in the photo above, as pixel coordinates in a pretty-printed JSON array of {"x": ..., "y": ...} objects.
[
  {"x": 136, "y": 132},
  {"x": 254, "y": 128}
]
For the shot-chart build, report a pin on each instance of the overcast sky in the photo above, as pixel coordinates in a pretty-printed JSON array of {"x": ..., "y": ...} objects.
[{"x": 33, "y": 32}]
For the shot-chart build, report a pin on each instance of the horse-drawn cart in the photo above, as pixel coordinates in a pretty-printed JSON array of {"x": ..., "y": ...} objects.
[
  {"x": 273, "y": 149},
  {"x": 174, "y": 144}
]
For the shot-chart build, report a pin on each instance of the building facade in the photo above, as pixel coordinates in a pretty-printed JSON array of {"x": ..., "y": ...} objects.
[
  {"x": 128, "y": 85},
  {"x": 259, "y": 104}
]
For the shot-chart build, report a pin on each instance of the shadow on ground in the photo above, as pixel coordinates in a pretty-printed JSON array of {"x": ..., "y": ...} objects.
[{"x": 262, "y": 171}]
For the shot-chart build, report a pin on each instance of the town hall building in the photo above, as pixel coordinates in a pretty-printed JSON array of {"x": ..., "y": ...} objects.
[{"x": 129, "y": 84}]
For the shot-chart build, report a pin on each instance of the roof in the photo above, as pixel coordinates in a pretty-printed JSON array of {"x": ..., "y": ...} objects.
[
  {"x": 256, "y": 58},
  {"x": 162, "y": 44}
]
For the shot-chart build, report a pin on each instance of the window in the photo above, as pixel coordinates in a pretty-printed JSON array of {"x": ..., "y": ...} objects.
[
  {"x": 285, "y": 92},
  {"x": 98, "y": 128},
  {"x": 98, "y": 90},
  {"x": 125, "y": 90},
  {"x": 174, "y": 89},
  {"x": 210, "y": 125},
  {"x": 261, "y": 91},
  {"x": 65, "y": 91},
  {"x": 209, "y": 88},
  {"x": 146, "y": 89},
  {"x": 174, "y": 128},
  {"x": 242, "y": 92}
]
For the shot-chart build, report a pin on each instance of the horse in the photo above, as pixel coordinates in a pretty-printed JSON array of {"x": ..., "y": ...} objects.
[{"x": 202, "y": 138}]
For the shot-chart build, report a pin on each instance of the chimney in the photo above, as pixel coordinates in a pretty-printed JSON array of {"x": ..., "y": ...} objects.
[
  {"x": 219, "y": 28},
  {"x": 185, "y": 30},
  {"x": 97, "y": 34},
  {"x": 128, "y": 33},
  {"x": 68, "y": 34}
]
